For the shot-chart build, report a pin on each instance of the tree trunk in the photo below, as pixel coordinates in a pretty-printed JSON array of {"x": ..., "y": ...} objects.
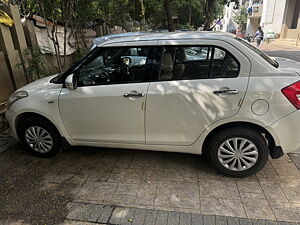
[
  {"x": 210, "y": 5},
  {"x": 167, "y": 6},
  {"x": 190, "y": 15}
]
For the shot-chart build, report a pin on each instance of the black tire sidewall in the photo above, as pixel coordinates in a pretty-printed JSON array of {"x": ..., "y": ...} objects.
[
  {"x": 49, "y": 128},
  {"x": 255, "y": 137}
]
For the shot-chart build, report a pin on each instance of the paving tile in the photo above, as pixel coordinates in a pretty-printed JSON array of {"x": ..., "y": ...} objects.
[
  {"x": 287, "y": 171},
  {"x": 245, "y": 221},
  {"x": 209, "y": 220},
  {"x": 291, "y": 189},
  {"x": 197, "y": 219},
  {"x": 173, "y": 218},
  {"x": 286, "y": 211},
  {"x": 273, "y": 191},
  {"x": 249, "y": 187},
  {"x": 96, "y": 191},
  {"x": 116, "y": 215},
  {"x": 180, "y": 161},
  {"x": 99, "y": 175},
  {"x": 69, "y": 222},
  {"x": 233, "y": 221},
  {"x": 286, "y": 223},
  {"x": 105, "y": 215},
  {"x": 221, "y": 220},
  {"x": 124, "y": 200},
  {"x": 150, "y": 217},
  {"x": 153, "y": 175},
  {"x": 206, "y": 172},
  {"x": 161, "y": 218},
  {"x": 139, "y": 217},
  {"x": 146, "y": 193},
  {"x": 126, "y": 176},
  {"x": 219, "y": 189},
  {"x": 148, "y": 160},
  {"x": 127, "y": 189},
  {"x": 84, "y": 212},
  {"x": 258, "y": 222},
  {"x": 181, "y": 174},
  {"x": 267, "y": 171},
  {"x": 222, "y": 207},
  {"x": 185, "y": 219},
  {"x": 177, "y": 194},
  {"x": 271, "y": 222},
  {"x": 257, "y": 206},
  {"x": 127, "y": 216},
  {"x": 124, "y": 160}
]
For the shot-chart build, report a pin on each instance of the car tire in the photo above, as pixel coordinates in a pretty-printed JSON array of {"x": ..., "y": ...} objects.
[
  {"x": 238, "y": 152},
  {"x": 40, "y": 137}
]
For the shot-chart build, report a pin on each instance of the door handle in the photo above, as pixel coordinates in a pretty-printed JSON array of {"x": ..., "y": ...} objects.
[
  {"x": 226, "y": 92},
  {"x": 134, "y": 94}
]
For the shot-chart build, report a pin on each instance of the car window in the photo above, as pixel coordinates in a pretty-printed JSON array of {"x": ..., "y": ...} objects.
[
  {"x": 197, "y": 62},
  {"x": 224, "y": 64},
  {"x": 117, "y": 65}
]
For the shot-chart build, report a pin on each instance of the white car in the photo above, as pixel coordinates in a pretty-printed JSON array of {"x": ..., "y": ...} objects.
[{"x": 192, "y": 92}]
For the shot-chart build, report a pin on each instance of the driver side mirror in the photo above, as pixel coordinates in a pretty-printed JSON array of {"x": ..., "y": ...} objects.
[{"x": 71, "y": 82}]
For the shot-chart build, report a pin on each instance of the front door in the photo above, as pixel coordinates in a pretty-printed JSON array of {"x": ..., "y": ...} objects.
[
  {"x": 108, "y": 105},
  {"x": 198, "y": 85}
]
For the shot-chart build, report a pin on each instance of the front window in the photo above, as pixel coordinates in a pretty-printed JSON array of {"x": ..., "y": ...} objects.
[
  {"x": 260, "y": 53},
  {"x": 118, "y": 65}
]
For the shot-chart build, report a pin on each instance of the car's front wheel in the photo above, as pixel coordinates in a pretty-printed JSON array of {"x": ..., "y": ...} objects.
[
  {"x": 40, "y": 137},
  {"x": 238, "y": 152}
]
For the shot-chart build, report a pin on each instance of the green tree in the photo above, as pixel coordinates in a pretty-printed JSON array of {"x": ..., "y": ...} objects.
[{"x": 241, "y": 18}]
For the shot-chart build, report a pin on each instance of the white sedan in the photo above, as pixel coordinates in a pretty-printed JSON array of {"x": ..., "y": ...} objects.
[{"x": 193, "y": 92}]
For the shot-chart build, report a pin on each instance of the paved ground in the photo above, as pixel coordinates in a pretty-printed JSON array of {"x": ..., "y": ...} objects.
[
  {"x": 112, "y": 186},
  {"x": 47, "y": 191},
  {"x": 285, "y": 51}
]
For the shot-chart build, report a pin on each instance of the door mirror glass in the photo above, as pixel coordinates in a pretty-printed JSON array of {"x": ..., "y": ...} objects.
[{"x": 70, "y": 82}]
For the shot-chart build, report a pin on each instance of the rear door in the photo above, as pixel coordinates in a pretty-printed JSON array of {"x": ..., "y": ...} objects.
[{"x": 200, "y": 83}]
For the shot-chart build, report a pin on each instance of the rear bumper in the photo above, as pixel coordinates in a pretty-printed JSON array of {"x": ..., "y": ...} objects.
[
  {"x": 286, "y": 132},
  {"x": 11, "y": 118}
]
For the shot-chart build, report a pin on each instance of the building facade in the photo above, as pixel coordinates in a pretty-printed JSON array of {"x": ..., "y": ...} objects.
[{"x": 279, "y": 16}]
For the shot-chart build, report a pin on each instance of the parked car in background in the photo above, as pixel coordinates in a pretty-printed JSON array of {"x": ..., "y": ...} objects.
[
  {"x": 270, "y": 35},
  {"x": 191, "y": 92}
]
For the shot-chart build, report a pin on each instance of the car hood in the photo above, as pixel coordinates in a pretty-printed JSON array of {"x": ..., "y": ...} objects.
[
  {"x": 288, "y": 64},
  {"x": 40, "y": 84}
]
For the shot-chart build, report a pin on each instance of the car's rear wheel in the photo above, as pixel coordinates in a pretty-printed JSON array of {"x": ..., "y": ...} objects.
[
  {"x": 40, "y": 137},
  {"x": 238, "y": 152}
]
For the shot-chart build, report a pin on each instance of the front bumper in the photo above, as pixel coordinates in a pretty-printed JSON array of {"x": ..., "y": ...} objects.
[
  {"x": 287, "y": 132},
  {"x": 11, "y": 118}
]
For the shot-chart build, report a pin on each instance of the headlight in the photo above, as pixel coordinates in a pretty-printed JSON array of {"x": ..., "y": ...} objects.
[{"x": 16, "y": 96}]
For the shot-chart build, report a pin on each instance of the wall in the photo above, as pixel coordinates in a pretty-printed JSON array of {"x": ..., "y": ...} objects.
[{"x": 273, "y": 14}]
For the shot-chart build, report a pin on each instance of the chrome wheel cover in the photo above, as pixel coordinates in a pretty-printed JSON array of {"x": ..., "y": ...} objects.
[
  {"x": 39, "y": 139},
  {"x": 237, "y": 154}
]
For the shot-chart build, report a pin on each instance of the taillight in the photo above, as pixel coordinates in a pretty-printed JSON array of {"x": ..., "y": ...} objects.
[{"x": 292, "y": 93}]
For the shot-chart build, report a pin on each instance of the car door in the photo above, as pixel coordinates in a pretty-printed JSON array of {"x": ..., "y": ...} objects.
[
  {"x": 108, "y": 105},
  {"x": 201, "y": 82}
]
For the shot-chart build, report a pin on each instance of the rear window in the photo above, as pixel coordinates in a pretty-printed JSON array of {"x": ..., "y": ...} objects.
[{"x": 260, "y": 53}]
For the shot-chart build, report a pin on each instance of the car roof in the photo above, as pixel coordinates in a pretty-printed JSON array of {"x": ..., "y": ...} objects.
[{"x": 152, "y": 36}]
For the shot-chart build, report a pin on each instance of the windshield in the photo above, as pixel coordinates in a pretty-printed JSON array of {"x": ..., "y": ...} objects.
[{"x": 260, "y": 53}]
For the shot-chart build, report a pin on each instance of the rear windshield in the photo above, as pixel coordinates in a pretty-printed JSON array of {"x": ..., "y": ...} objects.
[{"x": 260, "y": 53}]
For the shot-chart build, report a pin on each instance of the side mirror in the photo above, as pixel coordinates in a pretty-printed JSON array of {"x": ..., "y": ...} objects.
[{"x": 71, "y": 82}]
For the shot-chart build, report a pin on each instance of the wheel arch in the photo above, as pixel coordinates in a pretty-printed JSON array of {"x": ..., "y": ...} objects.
[
  {"x": 23, "y": 116},
  {"x": 266, "y": 134}
]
